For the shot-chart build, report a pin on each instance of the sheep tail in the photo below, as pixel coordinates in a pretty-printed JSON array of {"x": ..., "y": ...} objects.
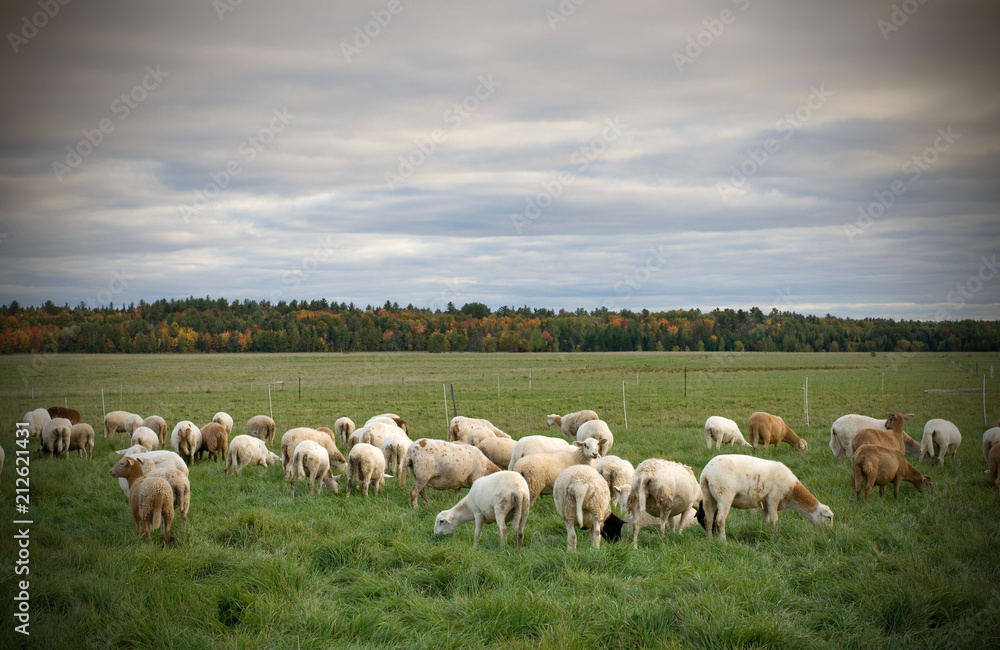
[
  {"x": 579, "y": 511},
  {"x": 157, "y": 510}
]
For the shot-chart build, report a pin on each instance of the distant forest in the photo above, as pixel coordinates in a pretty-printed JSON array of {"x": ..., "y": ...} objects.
[{"x": 218, "y": 325}]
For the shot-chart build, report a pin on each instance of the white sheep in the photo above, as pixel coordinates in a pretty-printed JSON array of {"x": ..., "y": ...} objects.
[
  {"x": 498, "y": 450},
  {"x": 644, "y": 518},
  {"x": 134, "y": 449},
  {"x": 478, "y": 434},
  {"x": 460, "y": 427},
  {"x": 115, "y": 422},
  {"x": 150, "y": 499},
  {"x": 746, "y": 482},
  {"x": 185, "y": 439},
  {"x": 132, "y": 422},
  {"x": 180, "y": 485},
  {"x": 390, "y": 418},
  {"x": 990, "y": 438},
  {"x": 500, "y": 497},
  {"x": 720, "y": 430},
  {"x": 616, "y": 471},
  {"x": 261, "y": 427},
  {"x": 56, "y": 436},
  {"x": 291, "y": 438},
  {"x": 941, "y": 437},
  {"x": 365, "y": 465},
  {"x": 81, "y": 439},
  {"x": 570, "y": 422},
  {"x": 582, "y": 499},
  {"x": 599, "y": 430},
  {"x": 343, "y": 428},
  {"x": 375, "y": 433},
  {"x": 443, "y": 466},
  {"x": 312, "y": 461},
  {"x": 225, "y": 420},
  {"x": 394, "y": 449},
  {"x": 153, "y": 460},
  {"x": 846, "y": 427},
  {"x": 534, "y": 445},
  {"x": 36, "y": 421},
  {"x": 245, "y": 450},
  {"x": 158, "y": 425},
  {"x": 146, "y": 437},
  {"x": 542, "y": 470},
  {"x": 665, "y": 489}
]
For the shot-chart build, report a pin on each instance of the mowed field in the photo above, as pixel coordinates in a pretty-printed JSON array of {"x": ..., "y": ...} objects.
[{"x": 253, "y": 568}]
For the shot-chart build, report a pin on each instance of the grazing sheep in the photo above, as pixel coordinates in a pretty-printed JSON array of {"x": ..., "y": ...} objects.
[
  {"x": 146, "y": 437},
  {"x": 81, "y": 439},
  {"x": 844, "y": 428},
  {"x": 990, "y": 438},
  {"x": 460, "y": 427},
  {"x": 941, "y": 435},
  {"x": 180, "y": 485},
  {"x": 747, "y": 483},
  {"x": 599, "y": 430},
  {"x": 390, "y": 418},
  {"x": 500, "y": 497},
  {"x": 478, "y": 434},
  {"x": 535, "y": 445},
  {"x": 365, "y": 464},
  {"x": 311, "y": 460},
  {"x": 993, "y": 460},
  {"x": 159, "y": 426},
  {"x": 132, "y": 422},
  {"x": 245, "y": 450},
  {"x": 542, "y": 470},
  {"x": 36, "y": 421},
  {"x": 115, "y": 422},
  {"x": 616, "y": 471},
  {"x": 768, "y": 429},
  {"x": 889, "y": 435},
  {"x": 878, "y": 465},
  {"x": 343, "y": 428},
  {"x": 225, "y": 420},
  {"x": 262, "y": 427},
  {"x": 214, "y": 440},
  {"x": 665, "y": 489},
  {"x": 394, "y": 449},
  {"x": 292, "y": 437},
  {"x": 570, "y": 422},
  {"x": 72, "y": 415},
  {"x": 721, "y": 431},
  {"x": 375, "y": 433},
  {"x": 643, "y": 518},
  {"x": 150, "y": 499},
  {"x": 153, "y": 460},
  {"x": 582, "y": 499},
  {"x": 186, "y": 440},
  {"x": 56, "y": 435},
  {"x": 498, "y": 450},
  {"x": 443, "y": 466},
  {"x": 134, "y": 449}
]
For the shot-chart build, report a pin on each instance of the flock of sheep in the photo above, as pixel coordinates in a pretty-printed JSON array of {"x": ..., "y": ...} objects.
[{"x": 505, "y": 477}]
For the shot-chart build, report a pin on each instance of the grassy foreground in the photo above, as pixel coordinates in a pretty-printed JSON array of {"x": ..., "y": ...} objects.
[{"x": 254, "y": 569}]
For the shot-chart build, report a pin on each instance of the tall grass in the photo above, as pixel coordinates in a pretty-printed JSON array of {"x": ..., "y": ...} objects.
[{"x": 254, "y": 568}]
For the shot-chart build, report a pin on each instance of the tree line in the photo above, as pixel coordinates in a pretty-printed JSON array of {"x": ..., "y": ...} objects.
[{"x": 218, "y": 325}]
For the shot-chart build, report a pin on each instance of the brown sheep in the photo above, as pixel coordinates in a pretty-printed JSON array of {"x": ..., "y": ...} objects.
[
  {"x": 891, "y": 438},
  {"x": 875, "y": 465},
  {"x": 214, "y": 441},
  {"x": 72, "y": 415},
  {"x": 150, "y": 499},
  {"x": 771, "y": 429}
]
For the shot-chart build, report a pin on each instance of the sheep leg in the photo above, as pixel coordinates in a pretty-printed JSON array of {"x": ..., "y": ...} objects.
[
  {"x": 414, "y": 493},
  {"x": 895, "y": 484},
  {"x": 595, "y": 534},
  {"x": 662, "y": 524},
  {"x": 868, "y": 486},
  {"x": 720, "y": 519},
  {"x": 570, "y": 536},
  {"x": 500, "y": 516},
  {"x": 708, "y": 505}
]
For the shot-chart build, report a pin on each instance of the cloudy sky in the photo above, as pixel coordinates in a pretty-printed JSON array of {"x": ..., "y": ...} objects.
[{"x": 817, "y": 157}]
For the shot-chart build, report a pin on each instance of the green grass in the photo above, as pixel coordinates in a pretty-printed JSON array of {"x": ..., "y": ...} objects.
[{"x": 253, "y": 568}]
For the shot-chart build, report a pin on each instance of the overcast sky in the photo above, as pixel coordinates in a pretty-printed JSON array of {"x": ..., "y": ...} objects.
[{"x": 822, "y": 158}]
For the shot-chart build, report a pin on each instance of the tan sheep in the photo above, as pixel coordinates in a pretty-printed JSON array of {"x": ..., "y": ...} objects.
[
  {"x": 582, "y": 499},
  {"x": 146, "y": 437},
  {"x": 343, "y": 428},
  {"x": 293, "y": 437},
  {"x": 844, "y": 428},
  {"x": 56, "y": 436},
  {"x": 394, "y": 449},
  {"x": 186, "y": 440},
  {"x": 132, "y": 422},
  {"x": 535, "y": 445},
  {"x": 460, "y": 427},
  {"x": 180, "y": 485},
  {"x": 877, "y": 465},
  {"x": 159, "y": 426},
  {"x": 150, "y": 499},
  {"x": 311, "y": 460},
  {"x": 498, "y": 450},
  {"x": 81, "y": 439},
  {"x": 115, "y": 422},
  {"x": 262, "y": 427},
  {"x": 541, "y": 470},
  {"x": 443, "y": 466},
  {"x": 890, "y": 437},
  {"x": 214, "y": 441},
  {"x": 665, "y": 489},
  {"x": 570, "y": 422},
  {"x": 365, "y": 465},
  {"x": 247, "y": 450},
  {"x": 771, "y": 429}
]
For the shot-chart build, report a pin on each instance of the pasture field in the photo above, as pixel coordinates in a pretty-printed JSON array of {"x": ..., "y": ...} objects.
[{"x": 253, "y": 568}]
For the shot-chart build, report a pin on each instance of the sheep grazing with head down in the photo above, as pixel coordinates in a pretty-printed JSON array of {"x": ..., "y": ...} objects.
[
  {"x": 132, "y": 422},
  {"x": 746, "y": 482},
  {"x": 771, "y": 429},
  {"x": 261, "y": 427},
  {"x": 180, "y": 485},
  {"x": 247, "y": 450},
  {"x": 186, "y": 440},
  {"x": 311, "y": 460},
  {"x": 36, "y": 421},
  {"x": 570, "y": 422},
  {"x": 890, "y": 435},
  {"x": 81, "y": 439},
  {"x": 443, "y": 466},
  {"x": 500, "y": 497},
  {"x": 343, "y": 428},
  {"x": 460, "y": 427},
  {"x": 846, "y": 427},
  {"x": 664, "y": 489},
  {"x": 146, "y": 437},
  {"x": 159, "y": 426},
  {"x": 876, "y": 465},
  {"x": 941, "y": 437},
  {"x": 225, "y": 420},
  {"x": 498, "y": 450},
  {"x": 616, "y": 472},
  {"x": 56, "y": 435},
  {"x": 115, "y": 422},
  {"x": 720, "y": 430},
  {"x": 542, "y": 470},
  {"x": 394, "y": 449},
  {"x": 582, "y": 499},
  {"x": 72, "y": 415},
  {"x": 291, "y": 438},
  {"x": 150, "y": 499},
  {"x": 365, "y": 465},
  {"x": 535, "y": 445},
  {"x": 214, "y": 441}
]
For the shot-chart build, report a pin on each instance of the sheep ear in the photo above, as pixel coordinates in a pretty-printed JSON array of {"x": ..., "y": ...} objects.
[
  {"x": 908, "y": 416},
  {"x": 578, "y": 443}
]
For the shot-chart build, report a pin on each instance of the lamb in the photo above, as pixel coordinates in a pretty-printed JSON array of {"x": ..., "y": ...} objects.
[
  {"x": 570, "y": 422},
  {"x": 993, "y": 460},
  {"x": 990, "y": 438},
  {"x": 942, "y": 435},
  {"x": 180, "y": 485},
  {"x": 343, "y": 427},
  {"x": 443, "y": 466},
  {"x": 599, "y": 430},
  {"x": 245, "y": 450},
  {"x": 132, "y": 422},
  {"x": 542, "y": 470},
  {"x": 582, "y": 500},
  {"x": 664, "y": 488},
  {"x": 225, "y": 420},
  {"x": 500, "y": 497},
  {"x": 115, "y": 422},
  {"x": 889, "y": 435},
  {"x": 721, "y": 431},
  {"x": 146, "y": 437},
  {"x": 292, "y": 437},
  {"x": 159, "y": 426},
  {"x": 877, "y": 465},
  {"x": 214, "y": 440},
  {"x": 616, "y": 471},
  {"x": 460, "y": 427},
  {"x": 56, "y": 436},
  {"x": 312, "y": 461},
  {"x": 534, "y": 445},
  {"x": 394, "y": 449},
  {"x": 365, "y": 464},
  {"x": 72, "y": 415},
  {"x": 844, "y": 428},
  {"x": 768, "y": 428},
  {"x": 36, "y": 421},
  {"x": 498, "y": 450},
  {"x": 81, "y": 439},
  {"x": 186, "y": 439},
  {"x": 150, "y": 499},
  {"x": 262, "y": 427},
  {"x": 746, "y": 482}
]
